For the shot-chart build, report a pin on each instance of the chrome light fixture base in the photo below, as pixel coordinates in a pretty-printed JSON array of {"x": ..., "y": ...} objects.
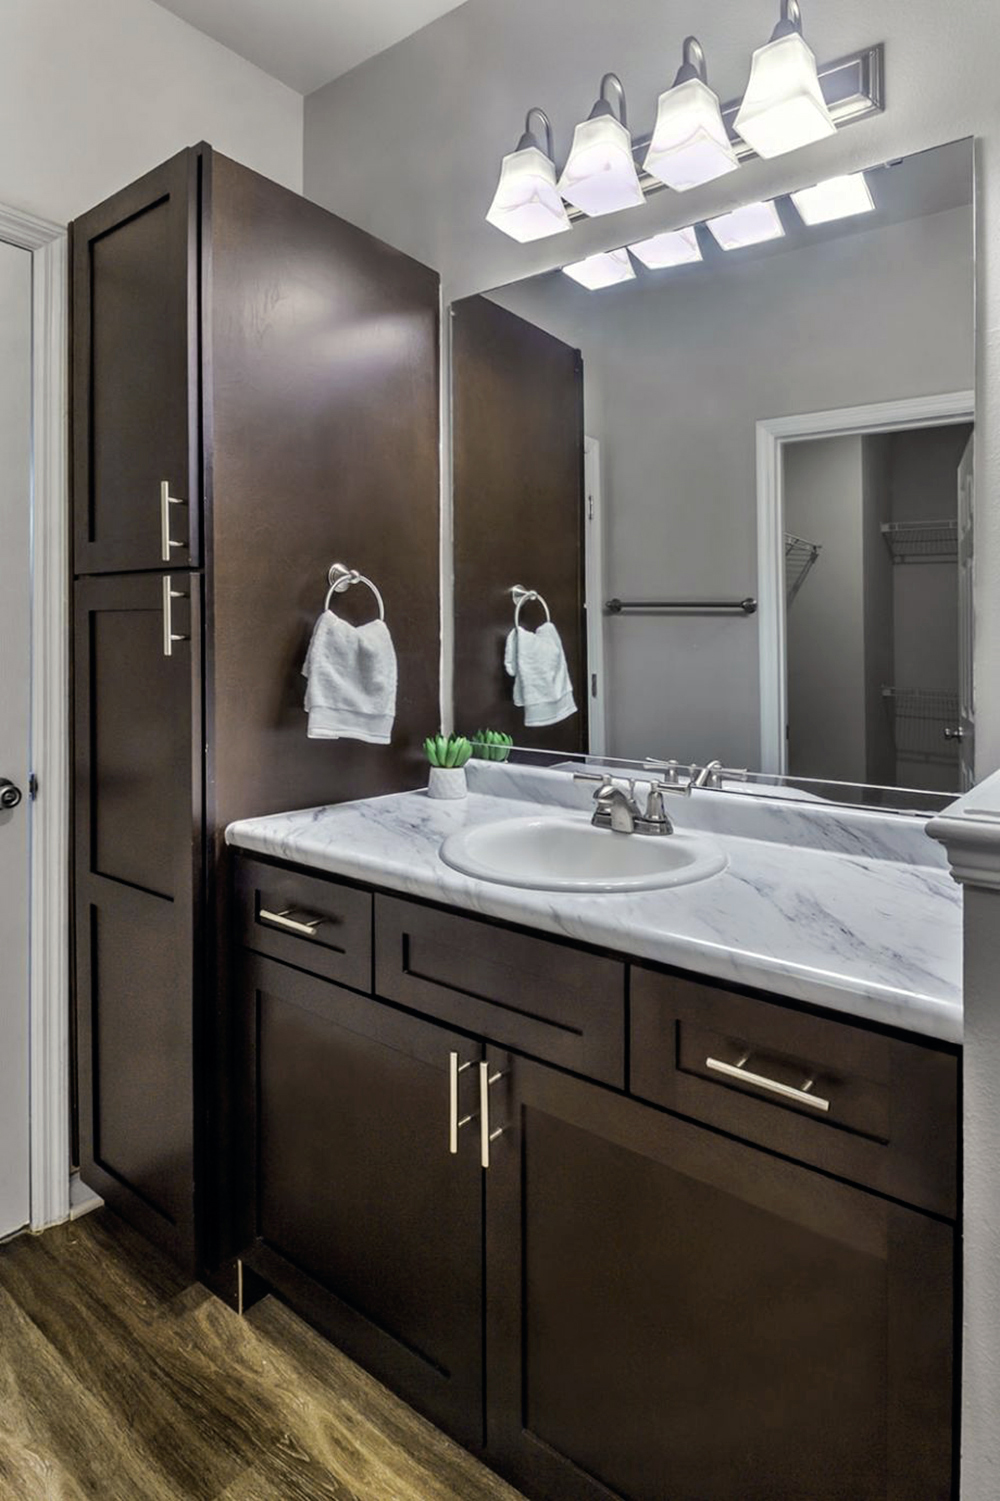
[{"x": 853, "y": 87}]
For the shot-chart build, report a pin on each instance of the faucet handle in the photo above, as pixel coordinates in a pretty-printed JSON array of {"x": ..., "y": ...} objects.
[{"x": 678, "y": 789}]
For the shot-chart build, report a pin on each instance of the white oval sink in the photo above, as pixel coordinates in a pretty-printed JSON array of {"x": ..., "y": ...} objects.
[{"x": 569, "y": 854}]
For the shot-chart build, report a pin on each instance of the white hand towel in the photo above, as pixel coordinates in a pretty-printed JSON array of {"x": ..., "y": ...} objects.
[
  {"x": 537, "y": 663},
  {"x": 351, "y": 672}
]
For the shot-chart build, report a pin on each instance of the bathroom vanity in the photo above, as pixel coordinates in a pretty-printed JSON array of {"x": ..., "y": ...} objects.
[{"x": 641, "y": 1195}]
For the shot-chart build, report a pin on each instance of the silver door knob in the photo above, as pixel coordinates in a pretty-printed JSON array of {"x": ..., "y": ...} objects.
[
  {"x": 10, "y": 795},
  {"x": 956, "y": 734}
]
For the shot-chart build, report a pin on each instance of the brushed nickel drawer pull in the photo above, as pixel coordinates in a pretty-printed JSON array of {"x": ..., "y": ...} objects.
[
  {"x": 306, "y": 926},
  {"x": 486, "y": 1136},
  {"x": 738, "y": 1070},
  {"x": 169, "y": 634},
  {"x": 454, "y": 1124},
  {"x": 166, "y": 501}
]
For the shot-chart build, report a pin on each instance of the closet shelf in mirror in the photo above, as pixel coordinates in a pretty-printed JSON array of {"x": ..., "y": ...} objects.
[
  {"x": 799, "y": 559},
  {"x": 921, "y": 541},
  {"x": 920, "y": 718}
]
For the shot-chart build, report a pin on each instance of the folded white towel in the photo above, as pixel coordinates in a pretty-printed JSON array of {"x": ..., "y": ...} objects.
[
  {"x": 537, "y": 663},
  {"x": 351, "y": 672}
]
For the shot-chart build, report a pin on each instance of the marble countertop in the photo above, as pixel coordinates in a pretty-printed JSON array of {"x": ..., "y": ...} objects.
[{"x": 874, "y": 937}]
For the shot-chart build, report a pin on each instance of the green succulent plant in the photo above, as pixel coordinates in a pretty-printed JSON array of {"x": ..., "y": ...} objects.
[
  {"x": 451, "y": 751},
  {"x": 492, "y": 745}
]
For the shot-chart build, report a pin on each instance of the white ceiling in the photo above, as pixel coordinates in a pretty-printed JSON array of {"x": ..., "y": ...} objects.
[{"x": 305, "y": 43}]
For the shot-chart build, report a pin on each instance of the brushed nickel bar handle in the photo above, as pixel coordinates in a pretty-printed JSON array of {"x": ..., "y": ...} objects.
[
  {"x": 166, "y": 501},
  {"x": 454, "y": 1124},
  {"x": 485, "y": 1134},
  {"x": 169, "y": 634},
  {"x": 802, "y": 1096},
  {"x": 293, "y": 924}
]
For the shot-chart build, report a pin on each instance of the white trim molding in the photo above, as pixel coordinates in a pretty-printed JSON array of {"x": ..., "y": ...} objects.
[
  {"x": 772, "y": 435},
  {"x": 49, "y": 812}
]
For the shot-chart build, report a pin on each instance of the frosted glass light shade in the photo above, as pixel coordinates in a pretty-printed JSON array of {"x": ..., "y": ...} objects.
[
  {"x": 678, "y": 247},
  {"x": 527, "y": 205},
  {"x": 751, "y": 224},
  {"x": 837, "y": 198},
  {"x": 600, "y": 176},
  {"x": 783, "y": 107},
  {"x": 604, "y": 270},
  {"x": 690, "y": 144}
]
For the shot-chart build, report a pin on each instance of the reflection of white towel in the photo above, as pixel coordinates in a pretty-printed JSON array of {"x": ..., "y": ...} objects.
[
  {"x": 537, "y": 663},
  {"x": 351, "y": 692}
]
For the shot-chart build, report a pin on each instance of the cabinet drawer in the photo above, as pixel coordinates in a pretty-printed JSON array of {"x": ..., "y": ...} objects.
[
  {"x": 878, "y": 1110},
  {"x": 546, "y": 999},
  {"x": 316, "y": 924}
]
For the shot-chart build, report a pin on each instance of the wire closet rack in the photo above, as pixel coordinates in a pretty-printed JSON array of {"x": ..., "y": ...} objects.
[
  {"x": 921, "y": 541},
  {"x": 920, "y": 717},
  {"x": 799, "y": 559}
]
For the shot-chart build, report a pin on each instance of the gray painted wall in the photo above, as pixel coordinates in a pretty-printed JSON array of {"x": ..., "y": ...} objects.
[{"x": 408, "y": 147}]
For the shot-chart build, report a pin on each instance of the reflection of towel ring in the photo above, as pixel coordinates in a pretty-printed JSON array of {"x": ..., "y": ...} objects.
[
  {"x": 341, "y": 579},
  {"x": 521, "y": 596}
]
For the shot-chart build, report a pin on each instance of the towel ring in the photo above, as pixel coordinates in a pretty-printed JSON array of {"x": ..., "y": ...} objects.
[
  {"x": 522, "y": 596},
  {"x": 341, "y": 579}
]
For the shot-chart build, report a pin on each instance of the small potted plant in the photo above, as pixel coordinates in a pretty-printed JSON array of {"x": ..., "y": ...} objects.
[
  {"x": 491, "y": 745},
  {"x": 447, "y": 756}
]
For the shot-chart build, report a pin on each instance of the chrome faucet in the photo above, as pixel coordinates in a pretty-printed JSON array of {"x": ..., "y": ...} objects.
[
  {"x": 707, "y": 776},
  {"x": 618, "y": 810}
]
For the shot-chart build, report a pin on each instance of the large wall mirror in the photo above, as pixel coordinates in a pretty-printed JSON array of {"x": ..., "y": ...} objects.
[{"x": 738, "y": 487}]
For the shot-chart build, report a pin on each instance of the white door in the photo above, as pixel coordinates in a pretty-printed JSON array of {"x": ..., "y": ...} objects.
[
  {"x": 966, "y": 562},
  {"x": 15, "y": 701}
]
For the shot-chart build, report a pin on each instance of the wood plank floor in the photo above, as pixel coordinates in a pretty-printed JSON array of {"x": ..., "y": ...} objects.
[{"x": 118, "y": 1382}]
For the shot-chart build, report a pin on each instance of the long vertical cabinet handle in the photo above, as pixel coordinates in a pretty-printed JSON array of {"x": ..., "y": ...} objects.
[
  {"x": 486, "y": 1136},
  {"x": 169, "y": 634},
  {"x": 166, "y": 501},
  {"x": 454, "y": 1124}
]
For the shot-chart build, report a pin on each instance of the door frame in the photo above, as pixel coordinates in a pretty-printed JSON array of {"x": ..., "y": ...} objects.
[
  {"x": 594, "y": 688},
  {"x": 48, "y": 812},
  {"x": 772, "y": 435}
]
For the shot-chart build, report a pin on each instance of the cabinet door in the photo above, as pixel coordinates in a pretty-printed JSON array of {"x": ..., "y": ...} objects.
[
  {"x": 674, "y": 1316},
  {"x": 137, "y": 853},
  {"x": 135, "y": 386},
  {"x": 364, "y": 1219}
]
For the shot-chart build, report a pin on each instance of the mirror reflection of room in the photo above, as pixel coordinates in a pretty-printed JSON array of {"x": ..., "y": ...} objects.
[{"x": 612, "y": 427}]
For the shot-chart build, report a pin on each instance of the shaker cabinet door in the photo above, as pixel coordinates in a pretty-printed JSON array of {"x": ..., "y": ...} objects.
[
  {"x": 138, "y": 851},
  {"x": 674, "y": 1316},
  {"x": 362, "y": 1217},
  {"x": 135, "y": 376}
]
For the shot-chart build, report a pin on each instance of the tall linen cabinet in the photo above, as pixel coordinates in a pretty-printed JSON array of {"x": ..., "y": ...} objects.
[{"x": 254, "y": 397}]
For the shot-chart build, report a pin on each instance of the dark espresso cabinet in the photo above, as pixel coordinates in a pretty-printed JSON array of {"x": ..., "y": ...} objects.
[
  {"x": 138, "y": 889},
  {"x": 675, "y": 1316},
  {"x": 608, "y": 1299},
  {"x": 233, "y": 435},
  {"x": 362, "y": 1212},
  {"x": 136, "y": 373}
]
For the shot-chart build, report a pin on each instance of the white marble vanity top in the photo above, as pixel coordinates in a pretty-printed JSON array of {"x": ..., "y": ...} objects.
[{"x": 858, "y": 913}]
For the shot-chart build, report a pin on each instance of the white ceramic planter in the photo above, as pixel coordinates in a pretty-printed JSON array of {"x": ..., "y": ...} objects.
[{"x": 447, "y": 782}]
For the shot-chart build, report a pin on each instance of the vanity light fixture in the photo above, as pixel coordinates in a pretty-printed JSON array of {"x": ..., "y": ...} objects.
[
  {"x": 690, "y": 144},
  {"x": 784, "y": 107},
  {"x": 600, "y": 175},
  {"x": 837, "y": 198},
  {"x": 606, "y": 269},
  {"x": 750, "y": 224},
  {"x": 677, "y": 247},
  {"x": 527, "y": 205}
]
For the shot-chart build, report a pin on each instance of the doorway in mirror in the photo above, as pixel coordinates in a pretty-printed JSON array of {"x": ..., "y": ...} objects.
[{"x": 873, "y": 608}]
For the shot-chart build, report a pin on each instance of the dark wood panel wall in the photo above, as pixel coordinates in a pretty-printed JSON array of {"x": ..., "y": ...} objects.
[
  {"x": 518, "y": 510},
  {"x": 323, "y": 379}
]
